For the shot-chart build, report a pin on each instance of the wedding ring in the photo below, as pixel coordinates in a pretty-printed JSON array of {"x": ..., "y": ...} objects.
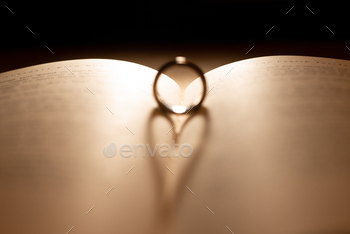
[{"x": 179, "y": 109}]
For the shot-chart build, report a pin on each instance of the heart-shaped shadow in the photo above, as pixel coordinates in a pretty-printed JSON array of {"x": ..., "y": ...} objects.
[{"x": 168, "y": 189}]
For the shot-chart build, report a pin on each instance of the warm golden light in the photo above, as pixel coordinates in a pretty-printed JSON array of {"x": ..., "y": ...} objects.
[
  {"x": 179, "y": 109},
  {"x": 180, "y": 59}
]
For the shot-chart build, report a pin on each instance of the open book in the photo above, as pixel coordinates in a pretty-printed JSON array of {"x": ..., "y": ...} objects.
[{"x": 84, "y": 149}]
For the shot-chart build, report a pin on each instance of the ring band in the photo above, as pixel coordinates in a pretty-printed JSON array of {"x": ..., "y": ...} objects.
[{"x": 178, "y": 109}]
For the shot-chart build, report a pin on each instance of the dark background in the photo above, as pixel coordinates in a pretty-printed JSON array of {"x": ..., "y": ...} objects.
[{"x": 142, "y": 30}]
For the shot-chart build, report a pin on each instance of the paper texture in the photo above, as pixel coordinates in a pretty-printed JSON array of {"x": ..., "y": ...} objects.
[{"x": 270, "y": 149}]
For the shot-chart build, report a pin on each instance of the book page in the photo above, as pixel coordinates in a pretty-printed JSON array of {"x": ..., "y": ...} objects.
[
  {"x": 275, "y": 157},
  {"x": 269, "y": 149},
  {"x": 62, "y": 167}
]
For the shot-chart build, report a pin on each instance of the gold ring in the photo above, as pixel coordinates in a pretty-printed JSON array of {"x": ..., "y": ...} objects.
[{"x": 179, "y": 109}]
